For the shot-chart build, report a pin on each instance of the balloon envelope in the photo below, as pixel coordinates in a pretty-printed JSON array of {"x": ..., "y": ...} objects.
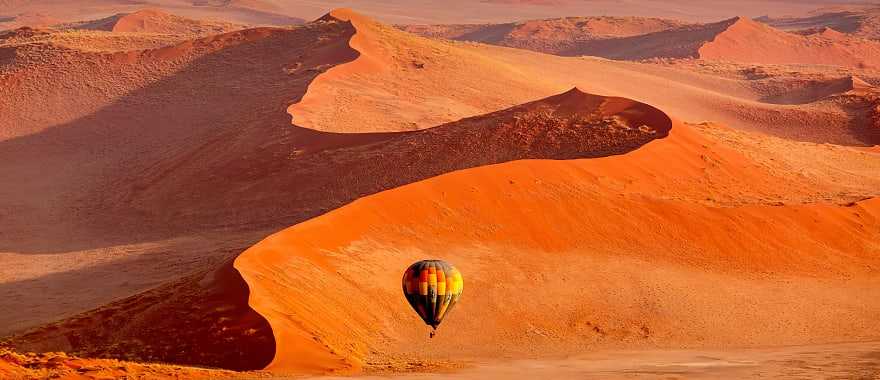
[{"x": 432, "y": 287}]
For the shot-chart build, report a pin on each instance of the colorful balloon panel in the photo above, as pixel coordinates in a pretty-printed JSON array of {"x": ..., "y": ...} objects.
[{"x": 432, "y": 287}]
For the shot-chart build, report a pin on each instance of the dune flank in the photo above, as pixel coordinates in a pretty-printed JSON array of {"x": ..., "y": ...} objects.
[{"x": 582, "y": 246}]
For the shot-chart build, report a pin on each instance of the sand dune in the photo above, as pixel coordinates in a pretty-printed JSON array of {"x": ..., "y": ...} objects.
[
  {"x": 283, "y": 12},
  {"x": 555, "y": 224},
  {"x": 738, "y": 39},
  {"x": 552, "y": 36},
  {"x": 749, "y": 41},
  {"x": 142, "y": 157},
  {"x": 15, "y": 14},
  {"x": 858, "y": 21},
  {"x": 428, "y": 80},
  {"x": 157, "y": 21},
  {"x": 90, "y": 161}
]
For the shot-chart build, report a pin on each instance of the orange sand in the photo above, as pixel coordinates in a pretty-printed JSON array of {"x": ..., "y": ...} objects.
[
  {"x": 580, "y": 245},
  {"x": 136, "y": 175}
]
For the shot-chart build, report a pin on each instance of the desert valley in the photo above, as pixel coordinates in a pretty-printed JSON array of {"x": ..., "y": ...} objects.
[{"x": 233, "y": 189}]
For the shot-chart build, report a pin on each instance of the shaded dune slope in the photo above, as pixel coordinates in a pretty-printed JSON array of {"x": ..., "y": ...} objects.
[{"x": 101, "y": 160}]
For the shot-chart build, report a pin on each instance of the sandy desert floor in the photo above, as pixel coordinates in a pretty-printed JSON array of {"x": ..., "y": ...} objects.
[
  {"x": 224, "y": 189},
  {"x": 835, "y": 361}
]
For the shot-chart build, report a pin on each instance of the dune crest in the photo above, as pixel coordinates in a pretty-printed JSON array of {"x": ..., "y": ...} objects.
[
  {"x": 414, "y": 77},
  {"x": 750, "y": 41},
  {"x": 861, "y": 21},
  {"x": 570, "y": 125},
  {"x": 423, "y": 83}
]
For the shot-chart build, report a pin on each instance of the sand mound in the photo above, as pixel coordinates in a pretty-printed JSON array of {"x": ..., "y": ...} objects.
[
  {"x": 814, "y": 91},
  {"x": 749, "y": 41},
  {"x": 551, "y": 225},
  {"x": 70, "y": 12},
  {"x": 738, "y": 40},
  {"x": 553, "y": 36},
  {"x": 741, "y": 40},
  {"x": 864, "y": 22},
  {"x": 426, "y": 82},
  {"x": 415, "y": 83},
  {"x": 157, "y": 21}
]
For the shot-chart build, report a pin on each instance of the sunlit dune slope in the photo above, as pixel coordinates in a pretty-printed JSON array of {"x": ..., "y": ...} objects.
[
  {"x": 561, "y": 256},
  {"x": 403, "y": 82},
  {"x": 749, "y": 41},
  {"x": 427, "y": 82}
]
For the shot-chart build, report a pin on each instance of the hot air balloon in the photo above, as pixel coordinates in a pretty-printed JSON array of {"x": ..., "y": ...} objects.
[{"x": 432, "y": 287}]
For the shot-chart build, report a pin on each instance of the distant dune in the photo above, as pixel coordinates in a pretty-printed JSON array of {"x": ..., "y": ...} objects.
[
  {"x": 737, "y": 40},
  {"x": 41, "y": 13},
  {"x": 553, "y": 36},
  {"x": 857, "y": 21},
  {"x": 156, "y": 21},
  {"x": 32, "y": 19},
  {"x": 749, "y": 41},
  {"x": 286, "y": 12}
]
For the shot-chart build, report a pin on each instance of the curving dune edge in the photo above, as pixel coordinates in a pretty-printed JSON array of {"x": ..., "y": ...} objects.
[{"x": 603, "y": 267}]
